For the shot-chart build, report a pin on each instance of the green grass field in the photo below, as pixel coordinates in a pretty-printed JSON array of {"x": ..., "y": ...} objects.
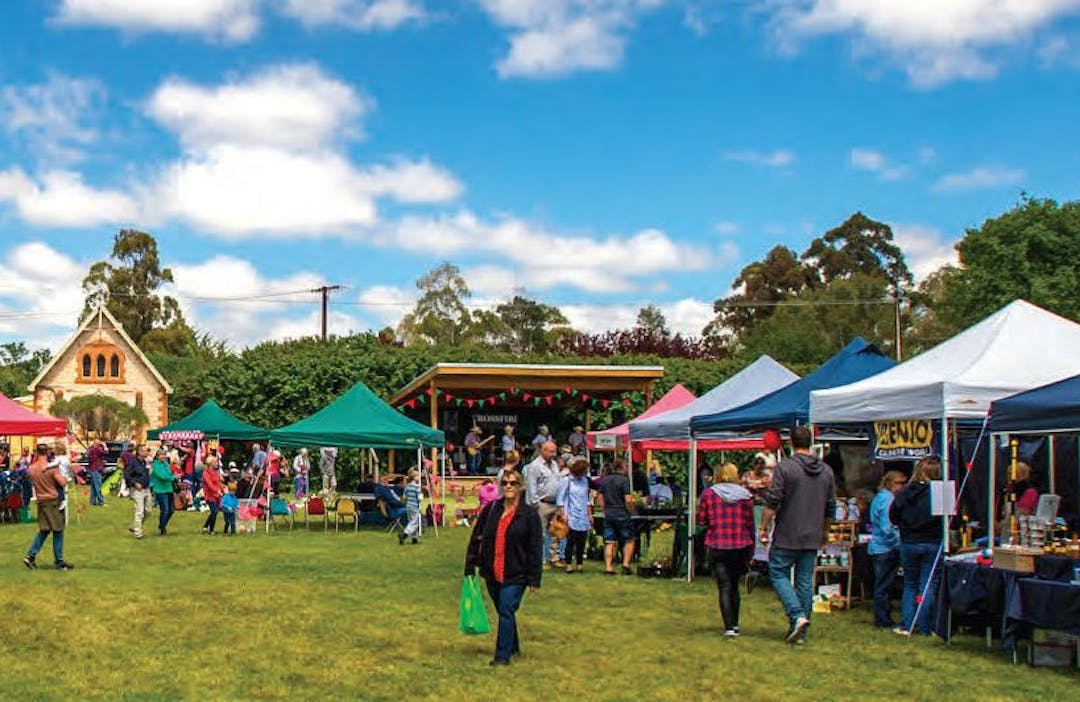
[{"x": 311, "y": 615}]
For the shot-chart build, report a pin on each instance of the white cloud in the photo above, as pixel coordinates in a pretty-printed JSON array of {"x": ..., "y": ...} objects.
[
  {"x": 40, "y": 294},
  {"x": 231, "y": 20},
  {"x": 551, "y": 38},
  {"x": 264, "y": 154},
  {"x": 291, "y": 106},
  {"x": 600, "y": 265},
  {"x": 355, "y": 14},
  {"x": 61, "y": 199},
  {"x": 687, "y": 316},
  {"x": 924, "y": 247},
  {"x": 726, "y": 227},
  {"x": 933, "y": 42},
  {"x": 863, "y": 159},
  {"x": 52, "y": 117},
  {"x": 770, "y": 159},
  {"x": 980, "y": 178},
  {"x": 386, "y": 304}
]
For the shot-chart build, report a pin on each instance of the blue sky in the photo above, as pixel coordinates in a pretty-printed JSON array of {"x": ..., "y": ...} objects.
[{"x": 599, "y": 154}]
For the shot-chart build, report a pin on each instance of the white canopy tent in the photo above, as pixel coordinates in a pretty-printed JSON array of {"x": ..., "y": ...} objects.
[
  {"x": 760, "y": 378},
  {"x": 1018, "y": 348}
]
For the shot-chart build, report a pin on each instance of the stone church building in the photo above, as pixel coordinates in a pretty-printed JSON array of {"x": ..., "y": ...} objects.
[{"x": 102, "y": 358}]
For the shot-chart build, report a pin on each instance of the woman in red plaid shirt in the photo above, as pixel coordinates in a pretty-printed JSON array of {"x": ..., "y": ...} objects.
[{"x": 727, "y": 511}]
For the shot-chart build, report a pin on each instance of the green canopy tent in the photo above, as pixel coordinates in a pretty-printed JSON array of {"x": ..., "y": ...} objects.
[
  {"x": 209, "y": 420},
  {"x": 358, "y": 419}
]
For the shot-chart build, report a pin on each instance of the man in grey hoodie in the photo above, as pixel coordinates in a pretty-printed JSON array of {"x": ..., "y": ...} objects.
[{"x": 799, "y": 500}]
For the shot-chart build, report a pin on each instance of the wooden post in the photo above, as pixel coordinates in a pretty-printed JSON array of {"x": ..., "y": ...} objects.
[
  {"x": 434, "y": 422},
  {"x": 648, "y": 395}
]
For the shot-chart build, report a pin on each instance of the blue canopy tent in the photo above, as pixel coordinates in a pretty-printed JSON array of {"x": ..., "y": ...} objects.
[
  {"x": 1053, "y": 408},
  {"x": 1049, "y": 410},
  {"x": 790, "y": 405}
]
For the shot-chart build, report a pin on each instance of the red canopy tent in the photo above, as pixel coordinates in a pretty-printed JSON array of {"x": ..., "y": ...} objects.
[
  {"x": 676, "y": 397},
  {"x": 16, "y": 420}
]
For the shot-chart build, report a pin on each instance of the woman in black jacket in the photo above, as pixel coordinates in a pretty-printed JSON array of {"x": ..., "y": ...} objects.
[
  {"x": 920, "y": 545},
  {"x": 506, "y": 547}
]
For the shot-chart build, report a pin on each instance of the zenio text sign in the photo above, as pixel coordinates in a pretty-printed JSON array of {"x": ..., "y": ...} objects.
[{"x": 901, "y": 439}]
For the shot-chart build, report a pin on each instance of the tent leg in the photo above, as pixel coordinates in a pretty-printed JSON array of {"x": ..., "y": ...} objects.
[
  {"x": 1051, "y": 455},
  {"x": 945, "y": 481},
  {"x": 691, "y": 511},
  {"x": 991, "y": 488},
  {"x": 442, "y": 485}
]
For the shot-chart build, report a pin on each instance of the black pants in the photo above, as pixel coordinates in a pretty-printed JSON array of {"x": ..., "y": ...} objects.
[
  {"x": 727, "y": 567},
  {"x": 575, "y": 546}
]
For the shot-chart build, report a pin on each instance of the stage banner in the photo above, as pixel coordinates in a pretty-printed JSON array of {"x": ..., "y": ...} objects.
[{"x": 903, "y": 439}]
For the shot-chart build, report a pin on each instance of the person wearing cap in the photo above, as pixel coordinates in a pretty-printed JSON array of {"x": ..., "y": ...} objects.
[
  {"x": 472, "y": 449},
  {"x": 577, "y": 440},
  {"x": 509, "y": 441}
]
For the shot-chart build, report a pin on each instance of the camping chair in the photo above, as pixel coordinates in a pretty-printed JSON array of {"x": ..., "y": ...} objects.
[
  {"x": 346, "y": 509},
  {"x": 392, "y": 524},
  {"x": 316, "y": 507},
  {"x": 280, "y": 508}
]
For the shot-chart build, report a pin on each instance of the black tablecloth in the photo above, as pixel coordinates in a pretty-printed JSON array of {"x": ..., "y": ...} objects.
[
  {"x": 1058, "y": 568},
  {"x": 1042, "y": 604},
  {"x": 973, "y": 593}
]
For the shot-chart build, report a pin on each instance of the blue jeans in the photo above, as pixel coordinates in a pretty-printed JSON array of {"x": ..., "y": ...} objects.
[
  {"x": 165, "y": 509},
  {"x": 885, "y": 565},
  {"x": 57, "y": 545},
  {"x": 507, "y": 599},
  {"x": 211, "y": 521},
  {"x": 230, "y": 522},
  {"x": 918, "y": 560},
  {"x": 96, "y": 498},
  {"x": 474, "y": 462},
  {"x": 798, "y": 601}
]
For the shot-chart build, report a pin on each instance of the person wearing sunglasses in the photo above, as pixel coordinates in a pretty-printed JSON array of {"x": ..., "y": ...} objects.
[{"x": 505, "y": 547}]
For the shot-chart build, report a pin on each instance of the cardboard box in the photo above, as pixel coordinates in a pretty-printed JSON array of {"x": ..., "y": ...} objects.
[{"x": 1053, "y": 649}]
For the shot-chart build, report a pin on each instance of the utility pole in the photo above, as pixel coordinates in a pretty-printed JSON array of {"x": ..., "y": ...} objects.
[{"x": 325, "y": 291}]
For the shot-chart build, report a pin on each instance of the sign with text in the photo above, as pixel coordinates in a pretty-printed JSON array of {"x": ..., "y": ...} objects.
[{"x": 903, "y": 439}]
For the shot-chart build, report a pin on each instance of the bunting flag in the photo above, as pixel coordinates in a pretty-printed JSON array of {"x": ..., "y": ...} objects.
[
  {"x": 469, "y": 402},
  {"x": 428, "y": 391},
  {"x": 548, "y": 399},
  {"x": 526, "y": 396},
  {"x": 481, "y": 403},
  {"x": 584, "y": 397},
  {"x": 448, "y": 396},
  {"x": 502, "y": 395},
  {"x": 605, "y": 403},
  {"x": 558, "y": 396}
]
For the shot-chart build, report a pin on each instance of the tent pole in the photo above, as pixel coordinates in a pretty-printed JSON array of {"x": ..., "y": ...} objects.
[
  {"x": 442, "y": 486},
  {"x": 420, "y": 467},
  {"x": 691, "y": 511},
  {"x": 945, "y": 482},
  {"x": 991, "y": 488},
  {"x": 630, "y": 461},
  {"x": 1052, "y": 455}
]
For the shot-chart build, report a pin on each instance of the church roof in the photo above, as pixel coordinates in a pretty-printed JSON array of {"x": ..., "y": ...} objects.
[{"x": 97, "y": 315}]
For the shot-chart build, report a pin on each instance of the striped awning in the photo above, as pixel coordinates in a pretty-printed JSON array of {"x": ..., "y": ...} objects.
[{"x": 181, "y": 436}]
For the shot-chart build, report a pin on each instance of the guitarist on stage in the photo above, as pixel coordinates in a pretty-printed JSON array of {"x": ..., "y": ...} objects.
[{"x": 473, "y": 444}]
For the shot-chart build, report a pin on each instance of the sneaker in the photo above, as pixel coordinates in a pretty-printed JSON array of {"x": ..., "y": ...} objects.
[
  {"x": 64, "y": 565},
  {"x": 401, "y": 539},
  {"x": 415, "y": 540},
  {"x": 29, "y": 562},
  {"x": 731, "y": 634},
  {"x": 626, "y": 570},
  {"x": 901, "y": 631},
  {"x": 138, "y": 536},
  {"x": 798, "y": 630},
  {"x": 498, "y": 661},
  {"x": 131, "y": 529},
  {"x": 735, "y": 629}
]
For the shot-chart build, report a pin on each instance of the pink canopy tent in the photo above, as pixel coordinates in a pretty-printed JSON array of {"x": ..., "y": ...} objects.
[
  {"x": 16, "y": 420},
  {"x": 675, "y": 398}
]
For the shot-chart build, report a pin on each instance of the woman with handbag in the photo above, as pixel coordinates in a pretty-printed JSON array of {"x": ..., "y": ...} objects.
[{"x": 505, "y": 547}]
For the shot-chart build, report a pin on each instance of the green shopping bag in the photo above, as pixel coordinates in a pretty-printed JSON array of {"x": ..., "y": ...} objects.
[{"x": 473, "y": 615}]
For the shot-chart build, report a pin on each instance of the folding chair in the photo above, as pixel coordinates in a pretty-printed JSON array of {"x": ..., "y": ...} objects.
[
  {"x": 280, "y": 508},
  {"x": 392, "y": 524},
  {"x": 346, "y": 509},
  {"x": 316, "y": 507}
]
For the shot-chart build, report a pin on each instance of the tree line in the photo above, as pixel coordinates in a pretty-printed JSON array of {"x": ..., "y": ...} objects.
[{"x": 798, "y": 307}]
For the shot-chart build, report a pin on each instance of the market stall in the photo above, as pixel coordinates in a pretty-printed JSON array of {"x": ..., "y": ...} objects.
[{"x": 212, "y": 420}]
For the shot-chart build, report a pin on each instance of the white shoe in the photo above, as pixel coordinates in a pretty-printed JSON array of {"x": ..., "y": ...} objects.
[
  {"x": 731, "y": 634},
  {"x": 797, "y": 631}
]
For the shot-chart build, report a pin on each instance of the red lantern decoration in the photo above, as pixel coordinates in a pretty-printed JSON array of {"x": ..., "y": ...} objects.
[{"x": 772, "y": 440}]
